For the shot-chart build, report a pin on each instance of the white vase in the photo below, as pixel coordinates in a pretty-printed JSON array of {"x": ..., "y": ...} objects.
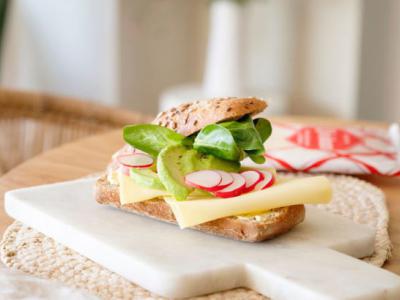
[{"x": 223, "y": 70}]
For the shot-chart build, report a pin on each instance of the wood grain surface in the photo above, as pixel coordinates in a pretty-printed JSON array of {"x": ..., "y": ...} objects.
[{"x": 92, "y": 154}]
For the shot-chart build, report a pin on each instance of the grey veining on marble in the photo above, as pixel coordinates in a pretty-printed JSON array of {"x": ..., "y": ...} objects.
[{"x": 313, "y": 261}]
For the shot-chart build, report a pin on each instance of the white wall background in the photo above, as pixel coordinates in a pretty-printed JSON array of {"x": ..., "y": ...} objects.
[
  {"x": 161, "y": 44},
  {"x": 379, "y": 85},
  {"x": 337, "y": 58},
  {"x": 326, "y": 66},
  {"x": 66, "y": 47}
]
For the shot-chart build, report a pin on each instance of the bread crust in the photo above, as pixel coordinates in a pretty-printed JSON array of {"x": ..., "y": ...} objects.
[
  {"x": 191, "y": 117},
  {"x": 243, "y": 229}
]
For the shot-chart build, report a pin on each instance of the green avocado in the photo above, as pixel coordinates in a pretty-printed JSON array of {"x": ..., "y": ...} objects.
[
  {"x": 211, "y": 162},
  {"x": 175, "y": 161},
  {"x": 147, "y": 178}
]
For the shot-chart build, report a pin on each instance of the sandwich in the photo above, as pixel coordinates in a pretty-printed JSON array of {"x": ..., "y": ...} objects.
[{"x": 201, "y": 165}]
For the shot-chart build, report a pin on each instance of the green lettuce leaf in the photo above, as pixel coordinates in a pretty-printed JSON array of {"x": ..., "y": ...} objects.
[
  {"x": 263, "y": 127},
  {"x": 244, "y": 133},
  {"x": 235, "y": 140},
  {"x": 217, "y": 140},
  {"x": 151, "y": 138},
  {"x": 257, "y": 158}
]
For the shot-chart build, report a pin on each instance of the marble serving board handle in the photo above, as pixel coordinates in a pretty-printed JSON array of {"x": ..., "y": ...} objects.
[{"x": 313, "y": 261}]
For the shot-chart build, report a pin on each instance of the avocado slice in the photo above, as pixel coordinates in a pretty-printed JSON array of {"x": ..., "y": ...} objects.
[
  {"x": 211, "y": 162},
  {"x": 175, "y": 161},
  {"x": 147, "y": 178}
]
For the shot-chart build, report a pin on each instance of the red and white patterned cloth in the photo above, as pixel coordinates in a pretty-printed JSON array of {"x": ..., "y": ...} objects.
[{"x": 349, "y": 150}]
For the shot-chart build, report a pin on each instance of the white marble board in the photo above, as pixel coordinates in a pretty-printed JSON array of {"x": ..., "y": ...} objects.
[{"x": 313, "y": 261}]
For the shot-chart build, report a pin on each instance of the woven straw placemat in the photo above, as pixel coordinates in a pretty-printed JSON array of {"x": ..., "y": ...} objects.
[{"x": 27, "y": 250}]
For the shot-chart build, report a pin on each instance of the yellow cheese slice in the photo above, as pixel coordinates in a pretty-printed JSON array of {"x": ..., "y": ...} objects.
[
  {"x": 130, "y": 192},
  {"x": 310, "y": 190},
  {"x": 112, "y": 177}
]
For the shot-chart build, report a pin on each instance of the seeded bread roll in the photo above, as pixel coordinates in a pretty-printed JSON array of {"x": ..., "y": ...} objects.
[
  {"x": 191, "y": 117},
  {"x": 276, "y": 222}
]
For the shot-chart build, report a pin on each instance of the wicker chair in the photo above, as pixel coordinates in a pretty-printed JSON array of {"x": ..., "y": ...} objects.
[{"x": 31, "y": 123}]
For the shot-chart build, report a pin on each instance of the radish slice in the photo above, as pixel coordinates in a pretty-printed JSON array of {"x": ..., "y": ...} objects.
[
  {"x": 252, "y": 177},
  {"x": 234, "y": 189},
  {"x": 268, "y": 181},
  {"x": 205, "y": 179},
  {"x": 226, "y": 180},
  {"x": 135, "y": 160}
]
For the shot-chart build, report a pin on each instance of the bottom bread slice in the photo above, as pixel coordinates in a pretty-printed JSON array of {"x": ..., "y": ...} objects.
[{"x": 273, "y": 223}]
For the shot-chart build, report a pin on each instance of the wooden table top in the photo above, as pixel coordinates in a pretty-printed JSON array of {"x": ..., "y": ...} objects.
[{"x": 92, "y": 154}]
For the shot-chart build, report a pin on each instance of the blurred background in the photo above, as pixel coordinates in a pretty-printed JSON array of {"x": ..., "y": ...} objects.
[{"x": 313, "y": 57}]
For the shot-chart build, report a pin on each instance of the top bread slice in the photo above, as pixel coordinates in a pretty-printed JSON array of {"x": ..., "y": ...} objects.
[{"x": 191, "y": 117}]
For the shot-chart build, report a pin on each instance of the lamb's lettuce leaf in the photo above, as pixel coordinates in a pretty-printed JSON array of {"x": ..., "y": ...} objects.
[
  {"x": 257, "y": 158},
  {"x": 151, "y": 138},
  {"x": 217, "y": 140},
  {"x": 263, "y": 127},
  {"x": 244, "y": 133},
  {"x": 234, "y": 140}
]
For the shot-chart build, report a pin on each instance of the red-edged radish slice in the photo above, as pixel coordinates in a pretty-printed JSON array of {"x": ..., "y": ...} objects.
[
  {"x": 205, "y": 179},
  {"x": 252, "y": 177},
  {"x": 135, "y": 160},
  {"x": 226, "y": 179},
  {"x": 234, "y": 189},
  {"x": 268, "y": 181}
]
